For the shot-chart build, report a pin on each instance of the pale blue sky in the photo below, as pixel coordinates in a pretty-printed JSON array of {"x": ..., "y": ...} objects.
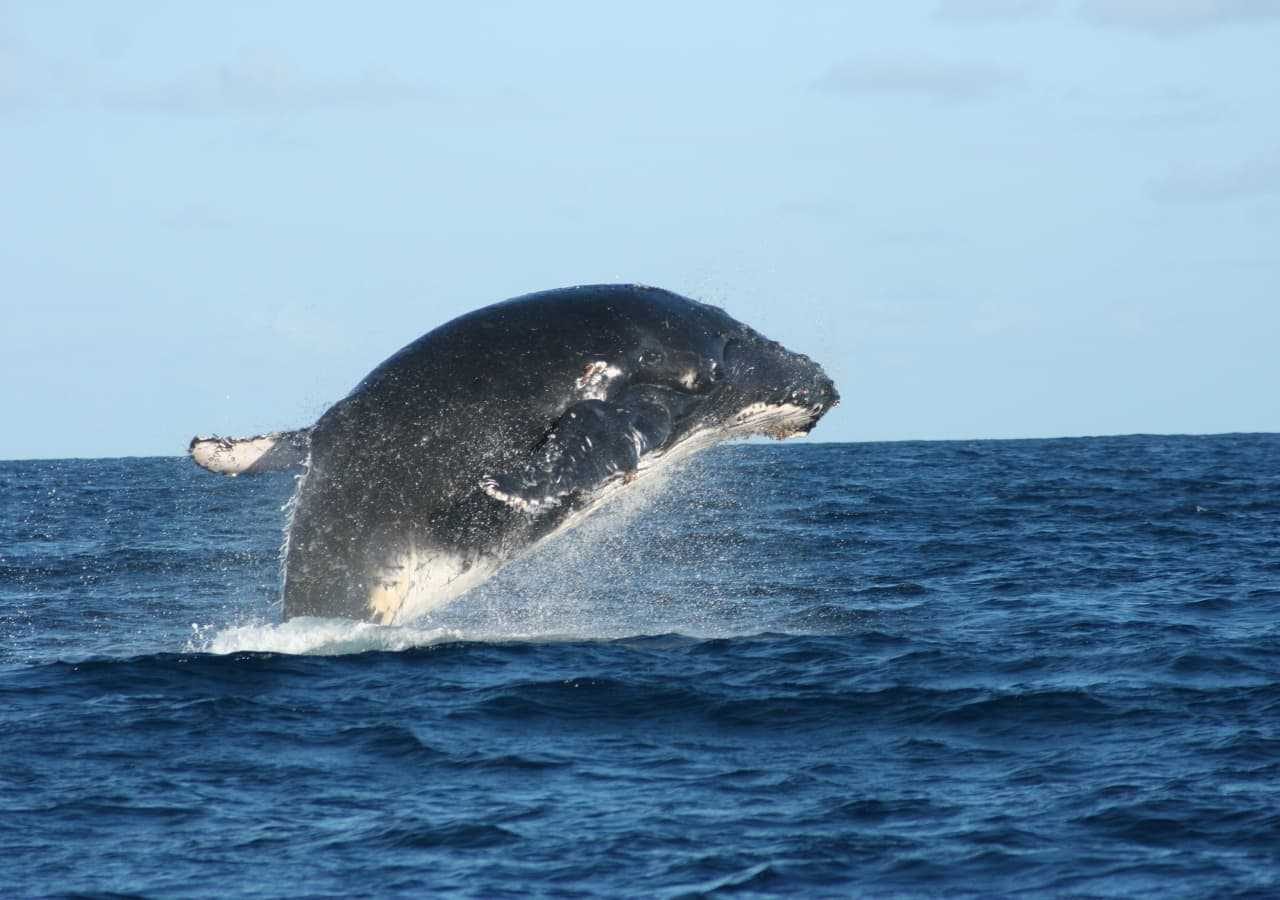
[{"x": 994, "y": 218}]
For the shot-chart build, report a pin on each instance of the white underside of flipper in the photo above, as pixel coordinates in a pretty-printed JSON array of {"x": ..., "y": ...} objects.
[{"x": 271, "y": 452}]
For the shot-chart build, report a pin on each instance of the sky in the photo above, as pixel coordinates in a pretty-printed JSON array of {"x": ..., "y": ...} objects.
[{"x": 985, "y": 218}]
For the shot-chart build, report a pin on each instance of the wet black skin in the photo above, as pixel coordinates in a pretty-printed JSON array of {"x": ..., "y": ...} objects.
[{"x": 403, "y": 456}]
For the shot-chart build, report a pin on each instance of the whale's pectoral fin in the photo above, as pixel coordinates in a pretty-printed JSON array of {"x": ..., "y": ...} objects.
[
  {"x": 592, "y": 443},
  {"x": 272, "y": 452}
]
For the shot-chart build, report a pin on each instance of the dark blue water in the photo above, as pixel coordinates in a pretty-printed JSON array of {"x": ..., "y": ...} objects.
[{"x": 960, "y": 669}]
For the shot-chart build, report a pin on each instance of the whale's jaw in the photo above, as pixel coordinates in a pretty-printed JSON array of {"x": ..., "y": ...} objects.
[{"x": 776, "y": 420}]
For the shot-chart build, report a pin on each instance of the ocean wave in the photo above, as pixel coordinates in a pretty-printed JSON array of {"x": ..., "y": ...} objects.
[{"x": 915, "y": 669}]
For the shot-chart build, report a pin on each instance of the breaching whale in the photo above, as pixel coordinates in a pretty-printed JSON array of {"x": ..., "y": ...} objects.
[{"x": 505, "y": 426}]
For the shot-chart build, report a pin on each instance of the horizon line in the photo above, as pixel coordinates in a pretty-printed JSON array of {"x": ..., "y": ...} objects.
[{"x": 801, "y": 442}]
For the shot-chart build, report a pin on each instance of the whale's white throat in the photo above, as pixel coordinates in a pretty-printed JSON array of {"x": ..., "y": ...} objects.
[{"x": 415, "y": 579}]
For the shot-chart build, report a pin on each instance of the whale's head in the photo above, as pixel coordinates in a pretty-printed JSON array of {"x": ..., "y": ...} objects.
[
  {"x": 768, "y": 389},
  {"x": 734, "y": 381}
]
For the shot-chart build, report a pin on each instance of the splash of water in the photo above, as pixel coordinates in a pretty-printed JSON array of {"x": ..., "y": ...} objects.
[
  {"x": 609, "y": 577},
  {"x": 314, "y": 636}
]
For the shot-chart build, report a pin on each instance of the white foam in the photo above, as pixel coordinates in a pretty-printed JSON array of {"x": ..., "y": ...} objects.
[
  {"x": 310, "y": 636},
  {"x": 307, "y": 635}
]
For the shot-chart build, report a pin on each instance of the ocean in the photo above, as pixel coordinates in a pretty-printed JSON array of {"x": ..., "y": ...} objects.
[{"x": 980, "y": 668}]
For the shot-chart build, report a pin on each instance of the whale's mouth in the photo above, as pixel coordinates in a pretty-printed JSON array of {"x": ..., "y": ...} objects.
[{"x": 776, "y": 420}]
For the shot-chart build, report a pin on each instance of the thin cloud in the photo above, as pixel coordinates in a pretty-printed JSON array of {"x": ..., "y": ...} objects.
[
  {"x": 984, "y": 11},
  {"x": 196, "y": 217},
  {"x": 30, "y": 81},
  {"x": 939, "y": 80},
  {"x": 1257, "y": 177},
  {"x": 10, "y": 95},
  {"x": 809, "y": 209},
  {"x": 1163, "y": 18},
  {"x": 1174, "y": 17},
  {"x": 915, "y": 237},
  {"x": 265, "y": 81},
  {"x": 1161, "y": 107}
]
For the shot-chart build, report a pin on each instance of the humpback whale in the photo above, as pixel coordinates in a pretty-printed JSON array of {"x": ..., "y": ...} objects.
[{"x": 505, "y": 426}]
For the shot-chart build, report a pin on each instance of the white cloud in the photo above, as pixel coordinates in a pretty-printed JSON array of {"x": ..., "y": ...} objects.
[
  {"x": 1256, "y": 177},
  {"x": 1173, "y": 17},
  {"x": 1158, "y": 17},
  {"x": 265, "y": 80},
  {"x": 28, "y": 80},
  {"x": 1145, "y": 108},
  {"x": 196, "y": 216},
  {"x": 941, "y": 80},
  {"x": 982, "y": 11},
  {"x": 810, "y": 209},
  {"x": 10, "y": 95}
]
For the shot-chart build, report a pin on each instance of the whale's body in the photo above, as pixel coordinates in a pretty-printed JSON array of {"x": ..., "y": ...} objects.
[{"x": 506, "y": 425}]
